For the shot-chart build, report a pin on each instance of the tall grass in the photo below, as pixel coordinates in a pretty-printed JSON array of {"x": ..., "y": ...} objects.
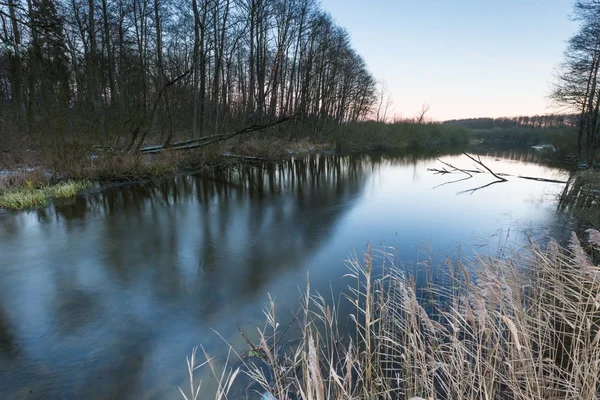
[{"x": 512, "y": 331}]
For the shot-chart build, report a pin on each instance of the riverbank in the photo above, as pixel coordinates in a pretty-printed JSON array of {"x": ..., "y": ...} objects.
[
  {"x": 32, "y": 168},
  {"x": 33, "y": 178},
  {"x": 524, "y": 327}
]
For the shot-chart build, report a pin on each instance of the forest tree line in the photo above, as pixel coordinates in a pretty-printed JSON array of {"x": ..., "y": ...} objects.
[
  {"x": 119, "y": 71},
  {"x": 534, "y": 121}
]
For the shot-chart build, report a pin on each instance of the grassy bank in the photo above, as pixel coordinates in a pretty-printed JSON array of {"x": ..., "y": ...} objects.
[
  {"x": 35, "y": 177},
  {"x": 520, "y": 328}
]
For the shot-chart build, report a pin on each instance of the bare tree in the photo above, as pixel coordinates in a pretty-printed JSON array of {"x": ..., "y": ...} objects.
[
  {"x": 384, "y": 103},
  {"x": 421, "y": 119},
  {"x": 577, "y": 81},
  {"x": 81, "y": 66}
]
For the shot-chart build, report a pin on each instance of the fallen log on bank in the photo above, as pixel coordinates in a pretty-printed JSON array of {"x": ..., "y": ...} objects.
[{"x": 211, "y": 139}]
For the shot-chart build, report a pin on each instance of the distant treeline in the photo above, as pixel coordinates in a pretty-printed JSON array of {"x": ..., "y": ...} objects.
[{"x": 535, "y": 121}]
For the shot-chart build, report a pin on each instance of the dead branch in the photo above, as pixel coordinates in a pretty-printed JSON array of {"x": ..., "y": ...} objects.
[
  {"x": 437, "y": 171},
  {"x": 478, "y": 161},
  {"x": 444, "y": 171},
  {"x": 541, "y": 179},
  {"x": 464, "y": 171},
  {"x": 471, "y": 191},
  {"x": 455, "y": 181},
  {"x": 469, "y": 172}
]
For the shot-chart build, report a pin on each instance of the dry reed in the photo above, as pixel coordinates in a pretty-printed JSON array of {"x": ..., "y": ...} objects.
[{"x": 500, "y": 332}]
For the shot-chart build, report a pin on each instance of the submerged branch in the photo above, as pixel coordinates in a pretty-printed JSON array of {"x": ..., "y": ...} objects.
[
  {"x": 471, "y": 191},
  {"x": 541, "y": 179},
  {"x": 501, "y": 177},
  {"x": 478, "y": 161}
]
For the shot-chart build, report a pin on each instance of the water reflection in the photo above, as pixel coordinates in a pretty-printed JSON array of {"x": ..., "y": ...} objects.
[
  {"x": 89, "y": 283},
  {"x": 103, "y": 296}
]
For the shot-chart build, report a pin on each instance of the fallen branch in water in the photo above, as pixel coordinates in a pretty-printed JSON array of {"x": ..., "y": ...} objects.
[
  {"x": 501, "y": 177},
  {"x": 471, "y": 191},
  {"x": 464, "y": 171},
  {"x": 541, "y": 179},
  {"x": 478, "y": 161}
]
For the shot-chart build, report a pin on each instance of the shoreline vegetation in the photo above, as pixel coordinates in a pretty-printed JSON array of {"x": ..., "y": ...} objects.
[
  {"x": 85, "y": 87},
  {"x": 31, "y": 166},
  {"x": 526, "y": 327}
]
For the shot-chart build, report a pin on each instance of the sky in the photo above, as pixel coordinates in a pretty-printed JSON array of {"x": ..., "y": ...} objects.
[{"x": 464, "y": 58}]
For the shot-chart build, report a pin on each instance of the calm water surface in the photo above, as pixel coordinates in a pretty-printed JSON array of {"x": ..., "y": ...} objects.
[{"x": 104, "y": 296}]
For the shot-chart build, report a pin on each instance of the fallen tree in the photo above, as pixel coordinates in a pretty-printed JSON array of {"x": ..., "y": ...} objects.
[{"x": 212, "y": 139}]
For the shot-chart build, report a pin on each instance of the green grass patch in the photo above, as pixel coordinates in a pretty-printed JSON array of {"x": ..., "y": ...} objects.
[{"x": 28, "y": 197}]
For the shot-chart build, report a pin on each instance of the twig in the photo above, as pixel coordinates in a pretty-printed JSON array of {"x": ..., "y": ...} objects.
[
  {"x": 286, "y": 329},
  {"x": 464, "y": 171},
  {"x": 448, "y": 183},
  {"x": 253, "y": 347}
]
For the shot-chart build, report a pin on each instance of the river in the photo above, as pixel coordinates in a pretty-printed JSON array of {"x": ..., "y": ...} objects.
[{"x": 103, "y": 296}]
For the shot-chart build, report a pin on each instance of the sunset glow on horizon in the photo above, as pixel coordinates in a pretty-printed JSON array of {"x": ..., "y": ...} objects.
[{"x": 466, "y": 58}]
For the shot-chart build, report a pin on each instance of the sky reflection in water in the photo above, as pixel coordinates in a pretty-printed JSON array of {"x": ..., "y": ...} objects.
[{"x": 105, "y": 295}]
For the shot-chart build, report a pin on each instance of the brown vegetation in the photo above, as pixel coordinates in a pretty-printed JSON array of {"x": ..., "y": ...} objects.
[{"x": 523, "y": 328}]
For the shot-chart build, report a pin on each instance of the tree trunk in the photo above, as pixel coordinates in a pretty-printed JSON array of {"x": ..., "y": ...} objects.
[
  {"x": 109, "y": 54},
  {"x": 195, "y": 67},
  {"x": 16, "y": 66}
]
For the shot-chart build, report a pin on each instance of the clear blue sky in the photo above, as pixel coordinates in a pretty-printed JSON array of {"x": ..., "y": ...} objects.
[{"x": 465, "y": 58}]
